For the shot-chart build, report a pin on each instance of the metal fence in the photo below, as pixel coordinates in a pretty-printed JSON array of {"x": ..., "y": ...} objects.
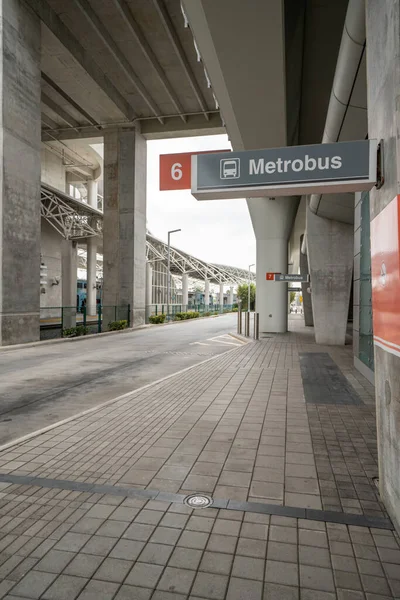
[
  {"x": 176, "y": 309},
  {"x": 67, "y": 321},
  {"x": 251, "y": 324}
]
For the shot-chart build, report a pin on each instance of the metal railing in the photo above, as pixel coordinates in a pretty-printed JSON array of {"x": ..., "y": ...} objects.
[
  {"x": 247, "y": 324},
  {"x": 67, "y": 321},
  {"x": 176, "y": 309}
]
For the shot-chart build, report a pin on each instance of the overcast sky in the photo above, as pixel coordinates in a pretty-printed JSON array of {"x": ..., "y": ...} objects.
[{"x": 218, "y": 231}]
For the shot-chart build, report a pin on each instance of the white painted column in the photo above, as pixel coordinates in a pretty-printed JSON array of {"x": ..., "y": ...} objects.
[
  {"x": 92, "y": 187},
  {"x": 185, "y": 291},
  {"x": 231, "y": 296},
  {"x": 221, "y": 297},
  {"x": 206, "y": 293},
  {"x": 91, "y": 250},
  {"x": 69, "y": 270}
]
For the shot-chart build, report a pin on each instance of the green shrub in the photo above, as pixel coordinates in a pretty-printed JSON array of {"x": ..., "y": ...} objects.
[
  {"x": 207, "y": 314},
  {"x": 235, "y": 309},
  {"x": 157, "y": 319},
  {"x": 75, "y": 331},
  {"x": 117, "y": 325},
  {"x": 190, "y": 314}
]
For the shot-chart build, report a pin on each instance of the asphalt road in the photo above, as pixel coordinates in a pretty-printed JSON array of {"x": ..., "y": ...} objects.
[{"x": 45, "y": 384}]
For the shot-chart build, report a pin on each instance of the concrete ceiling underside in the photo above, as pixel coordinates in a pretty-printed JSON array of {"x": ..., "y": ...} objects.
[{"x": 119, "y": 62}]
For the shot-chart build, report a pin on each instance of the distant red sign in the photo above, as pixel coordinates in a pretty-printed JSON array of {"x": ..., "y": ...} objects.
[
  {"x": 271, "y": 276},
  {"x": 175, "y": 170}
]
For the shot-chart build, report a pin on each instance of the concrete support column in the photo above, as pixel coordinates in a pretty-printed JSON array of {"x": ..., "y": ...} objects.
[
  {"x": 91, "y": 250},
  {"x": 149, "y": 289},
  {"x": 69, "y": 270},
  {"x": 272, "y": 221},
  {"x": 206, "y": 293},
  {"x": 383, "y": 76},
  {"x": 124, "y": 229},
  {"x": 307, "y": 298},
  {"x": 92, "y": 192},
  {"x": 185, "y": 291},
  {"x": 221, "y": 297},
  {"x": 231, "y": 295},
  {"x": 20, "y": 144},
  {"x": 330, "y": 259}
]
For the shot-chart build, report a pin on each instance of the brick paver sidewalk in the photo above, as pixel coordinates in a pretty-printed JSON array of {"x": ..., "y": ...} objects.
[{"x": 280, "y": 434}]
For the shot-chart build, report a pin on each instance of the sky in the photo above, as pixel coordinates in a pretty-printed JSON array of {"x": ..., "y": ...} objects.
[{"x": 217, "y": 231}]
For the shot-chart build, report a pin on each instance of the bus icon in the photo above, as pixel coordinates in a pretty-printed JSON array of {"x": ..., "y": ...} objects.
[{"x": 230, "y": 168}]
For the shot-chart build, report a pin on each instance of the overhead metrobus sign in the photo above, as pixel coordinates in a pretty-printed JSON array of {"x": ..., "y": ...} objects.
[{"x": 289, "y": 171}]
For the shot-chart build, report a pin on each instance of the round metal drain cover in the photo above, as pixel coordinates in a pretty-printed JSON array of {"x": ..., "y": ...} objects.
[{"x": 198, "y": 501}]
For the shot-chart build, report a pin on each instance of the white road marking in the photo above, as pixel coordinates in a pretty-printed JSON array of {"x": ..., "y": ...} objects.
[{"x": 199, "y": 343}]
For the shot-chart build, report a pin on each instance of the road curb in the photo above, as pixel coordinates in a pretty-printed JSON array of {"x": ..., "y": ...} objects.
[{"x": 107, "y": 403}]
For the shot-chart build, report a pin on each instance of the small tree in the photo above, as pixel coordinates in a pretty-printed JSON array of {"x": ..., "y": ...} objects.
[
  {"x": 243, "y": 294},
  {"x": 292, "y": 297}
]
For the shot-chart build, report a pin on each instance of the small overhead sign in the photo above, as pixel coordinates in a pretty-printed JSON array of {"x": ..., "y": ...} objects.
[
  {"x": 288, "y": 278},
  {"x": 289, "y": 171}
]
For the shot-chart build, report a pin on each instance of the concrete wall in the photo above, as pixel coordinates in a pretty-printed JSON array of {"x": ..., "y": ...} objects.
[
  {"x": 19, "y": 173},
  {"x": 52, "y": 170},
  {"x": 383, "y": 74}
]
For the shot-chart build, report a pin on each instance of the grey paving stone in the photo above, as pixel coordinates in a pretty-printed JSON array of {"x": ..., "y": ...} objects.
[
  {"x": 65, "y": 587},
  {"x": 139, "y": 532},
  {"x": 376, "y": 585},
  {"x": 100, "y": 511},
  {"x": 282, "y": 552},
  {"x": 72, "y": 542},
  {"x": 211, "y": 586},
  {"x": 83, "y": 565},
  {"x": 55, "y": 561},
  {"x": 347, "y": 580},
  {"x": 226, "y": 527},
  {"x": 112, "y": 528},
  {"x": 174, "y": 520},
  {"x": 125, "y": 513},
  {"x": 389, "y": 555},
  {"x": 281, "y": 572},
  {"x": 197, "y": 523},
  {"x": 99, "y": 590},
  {"x": 149, "y": 517},
  {"x": 193, "y": 539},
  {"x": 350, "y": 595},
  {"x": 244, "y": 589},
  {"x": 248, "y": 547},
  {"x": 129, "y": 592},
  {"x": 185, "y": 558},
  {"x": 248, "y": 568},
  {"x": 176, "y": 580},
  {"x": 127, "y": 549},
  {"x": 144, "y": 575},
  {"x": 216, "y": 562},
  {"x": 316, "y": 595},
  {"x": 283, "y": 534},
  {"x": 113, "y": 569},
  {"x": 157, "y": 554},
  {"x": 318, "y": 557},
  {"x": 99, "y": 545},
  {"x": 274, "y": 591},
  {"x": 317, "y": 539},
  {"x": 316, "y": 578},
  {"x": 34, "y": 584},
  {"x": 162, "y": 595},
  {"x": 254, "y": 531},
  {"x": 165, "y": 535},
  {"x": 87, "y": 525}
]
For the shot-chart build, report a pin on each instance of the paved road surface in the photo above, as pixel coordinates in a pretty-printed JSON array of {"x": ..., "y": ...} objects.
[{"x": 44, "y": 384}]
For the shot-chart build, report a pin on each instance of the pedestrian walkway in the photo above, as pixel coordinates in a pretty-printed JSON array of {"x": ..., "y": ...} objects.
[{"x": 278, "y": 436}]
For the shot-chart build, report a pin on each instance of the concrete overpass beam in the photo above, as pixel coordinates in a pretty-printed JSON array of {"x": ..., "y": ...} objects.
[
  {"x": 20, "y": 173},
  {"x": 124, "y": 229},
  {"x": 330, "y": 257}
]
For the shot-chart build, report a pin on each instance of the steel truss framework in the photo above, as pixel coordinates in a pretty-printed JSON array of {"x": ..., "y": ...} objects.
[{"x": 75, "y": 220}]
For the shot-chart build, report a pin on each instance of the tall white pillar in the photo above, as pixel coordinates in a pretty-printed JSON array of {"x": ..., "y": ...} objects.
[
  {"x": 231, "y": 296},
  {"x": 206, "y": 293},
  {"x": 185, "y": 291},
  {"x": 221, "y": 297},
  {"x": 91, "y": 291},
  {"x": 20, "y": 173},
  {"x": 149, "y": 289},
  {"x": 124, "y": 229},
  {"x": 69, "y": 269},
  {"x": 92, "y": 187}
]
